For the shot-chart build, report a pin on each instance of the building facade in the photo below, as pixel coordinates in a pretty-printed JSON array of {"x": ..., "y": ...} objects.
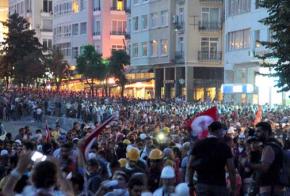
[
  {"x": 3, "y": 17},
  {"x": 101, "y": 23},
  {"x": 181, "y": 42},
  {"x": 39, "y": 14},
  {"x": 243, "y": 31}
]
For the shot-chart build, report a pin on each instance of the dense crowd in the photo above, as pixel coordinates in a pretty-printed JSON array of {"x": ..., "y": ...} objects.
[{"x": 149, "y": 150}]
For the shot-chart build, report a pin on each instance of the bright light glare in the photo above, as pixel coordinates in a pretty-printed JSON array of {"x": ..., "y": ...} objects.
[{"x": 161, "y": 136}]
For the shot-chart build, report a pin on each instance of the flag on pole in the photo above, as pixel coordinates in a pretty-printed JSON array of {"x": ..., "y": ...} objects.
[
  {"x": 89, "y": 141},
  {"x": 199, "y": 123},
  {"x": 259, "y": 115}
]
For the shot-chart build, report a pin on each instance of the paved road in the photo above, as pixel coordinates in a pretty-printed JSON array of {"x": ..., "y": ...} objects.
[{"x": 14, "y": 126}]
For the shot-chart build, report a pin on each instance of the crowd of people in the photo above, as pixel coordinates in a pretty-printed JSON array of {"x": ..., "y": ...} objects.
[{"x": 148, "y": 150}]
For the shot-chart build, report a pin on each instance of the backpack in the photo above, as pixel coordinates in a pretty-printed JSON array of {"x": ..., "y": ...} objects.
[
  {"x": 285, "y": 170},
  {"x": 284, "y": 173}
]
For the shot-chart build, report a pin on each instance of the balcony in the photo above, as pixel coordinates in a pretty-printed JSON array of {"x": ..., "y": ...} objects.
[
  {"x": 179, "y": 27},
  {"x": 207, "y": 56},
  {"x": 118, "y": 33},
  {"x": 210, "y": 26},
  {"x": 128, "y": 10},
  {"x": 97, "y": 9},
  {"x": 179, "y": 57},
  {"x": 96, "y": 33},
  {"x": 211, "y": 1},
  {"x": 115, "y": 8}
]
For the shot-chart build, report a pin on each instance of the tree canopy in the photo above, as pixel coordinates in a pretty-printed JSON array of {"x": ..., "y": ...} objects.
[
  {"x": 22, "y": 53},
  {"x": 278, "y": 21}
]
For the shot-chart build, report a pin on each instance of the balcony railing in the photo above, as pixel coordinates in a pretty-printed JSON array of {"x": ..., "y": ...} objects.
[
  {"x": 211, "y": 1},
  {"x": 96, "y": 33},
  {"x": 128, "y": 10},
  {"x": 210, "y": 56},
  {"x": 97, "y": 9},
  {"x": 118, "y": 33},
  {"x": 210, "y": 26},
  {"x": 115, "y": 8},
  {"x": 179, "y": 57}
]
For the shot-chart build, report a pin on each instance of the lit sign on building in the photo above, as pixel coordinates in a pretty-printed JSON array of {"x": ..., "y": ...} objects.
[{"x": 237, "y": 88}]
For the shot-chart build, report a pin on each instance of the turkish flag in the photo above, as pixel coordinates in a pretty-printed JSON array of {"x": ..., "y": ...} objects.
[
  {"x": 200, "y": 122},
  {"x": 259, "y": 115}
]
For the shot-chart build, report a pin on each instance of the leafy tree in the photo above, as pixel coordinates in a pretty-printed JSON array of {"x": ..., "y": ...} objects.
[
  {"x": 118, "y": 61},
  {"x": 20, "y": 46},
  {"x": 278, "y": 20},
  {"x": 57, "y": 66},
  {"x": 90, "y": 65}
]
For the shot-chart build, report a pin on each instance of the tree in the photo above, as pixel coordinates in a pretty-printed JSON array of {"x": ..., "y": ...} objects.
[
  {"x": 57, "y": 66},
  {"x": 90, "y": 65},
  {"x": 19, "y": 46},
  {"x": 278, "y": 21},
  {"x": 118, "y": 61}
]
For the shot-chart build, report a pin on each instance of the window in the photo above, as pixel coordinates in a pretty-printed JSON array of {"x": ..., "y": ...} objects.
[
  {"x": 257, "y": 4},
  {"x": 65, "y": 49},
  {"x": 239, "y": 39},
  {"x": 97, "y": 28},
  {"x": 47, "y": 43},
  {"x": 47, "y": 24},
  {"x": 236, "y": 7},
  {"x": 83, "y": 29},
  {"x": 257, "y": 39},
  {"x": 164, "y": 18},
  {"x": 144, "y": 49},
  {"x": 118, "y": 27},
  {"x": 120, "y": 5},
  {"x": 135, "y": 1},
  {"x": 47, "y": 6},
  {"x": 82, "y": 5},
  {"x": 270, "y": 35},
  {"x": 210, "y": 18},
  {"x": 209, "y": 48},
  {"x": 97, "y": 5},
  {"x": 75, "y": 29},
  {"x": 144, "y": 22},
  {"x": 164, "y": 47},
  {"x": 135, "y": 50},
  {"x": 153, "y": 48},
  {"x": 180, "y": 44},
  {"x": 154, "y": 20},
  {"x": 135, "y": 23},
  {"x": 181, "y": 15},
  {"x": 75, "y": 52},
  {"x": 117, "y": 47}
]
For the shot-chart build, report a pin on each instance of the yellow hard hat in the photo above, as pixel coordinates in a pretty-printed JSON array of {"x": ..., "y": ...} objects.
[
  {"x": 155, "y": 154},
  {"x": 126, "y": 141},
  {"x": 133, "y": 154},
  {"x": 166, "y": 130},
  {"x": 122, "y": 162}
]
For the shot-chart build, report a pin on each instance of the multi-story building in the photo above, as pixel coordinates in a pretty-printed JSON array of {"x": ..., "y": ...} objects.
[
  {"x": 243, "y": 31},
  {"x": 101, "y": 23},
  {"x": 39, "y": 14},
  {"x": 3, "y": 17},
  {"x": 181, "y": 41}
]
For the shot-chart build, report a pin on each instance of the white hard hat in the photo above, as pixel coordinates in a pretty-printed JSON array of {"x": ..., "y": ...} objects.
[
  {"x": 167, "y": 172},
  {"x": 143, "y": 136},
  {"x": 182, "y": 190},
  {"x": 231, "y": 130},
  {"x": 4, "y": 152}
]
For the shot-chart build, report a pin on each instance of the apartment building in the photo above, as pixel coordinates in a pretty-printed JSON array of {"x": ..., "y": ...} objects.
[
  {"x": 181, "y": 42},
  {"x": 39, "y": 14},
  {"x": 101, "y": 23},
  {"x": 243, "y": 31}
]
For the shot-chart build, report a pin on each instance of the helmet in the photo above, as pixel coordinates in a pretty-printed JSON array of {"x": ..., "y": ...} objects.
[
  {"x": 155, "y": 154},
  {"x": 167, "y": 173},
  {"x": 122, "y": 162},
  {"x": 133, "y": 154},
  {"x": 166, "y": 130},
  {"x": 126, "y": 141},
  {"x": 182, "y": 189}
]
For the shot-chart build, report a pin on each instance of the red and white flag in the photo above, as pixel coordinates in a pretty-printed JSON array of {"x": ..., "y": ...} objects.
[
  {"x": 89, "y": 141},
  {"x": 259, "y": 115},
  {"x": 200, "y": 122}
]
